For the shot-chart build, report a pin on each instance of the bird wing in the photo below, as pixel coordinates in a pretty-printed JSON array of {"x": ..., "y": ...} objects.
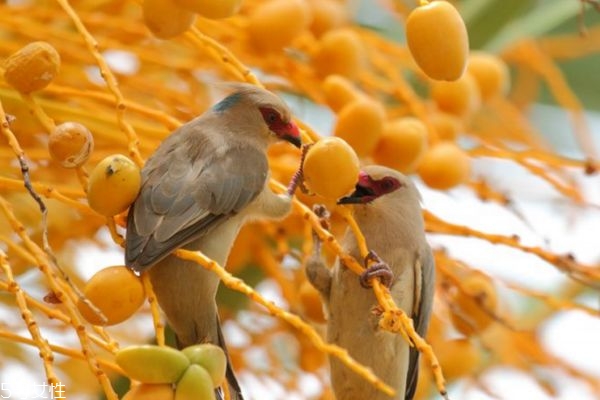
[
  {"x": 186, "y": 192},
  {"x": 425, "y": 273}
]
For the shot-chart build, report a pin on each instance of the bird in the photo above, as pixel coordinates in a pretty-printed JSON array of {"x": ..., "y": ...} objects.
[
  {"x": 204, "y": 181},
  {"x": 386, "y": 207}
]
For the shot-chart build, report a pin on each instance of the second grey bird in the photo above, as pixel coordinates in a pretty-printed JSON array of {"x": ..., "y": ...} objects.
[
  {"x": 201, "y": 185},
  {"x": 386, "y": 206}
]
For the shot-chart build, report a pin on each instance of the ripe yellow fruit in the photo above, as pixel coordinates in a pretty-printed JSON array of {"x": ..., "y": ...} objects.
[
  {"x": 32, "y": 67},
  {"x": 211, "y": 357},
  {"x": 327, "y": 15},
  {"x": 458, "y": 358},
  {"x": 311, "y": 303},
  {"x": 460, "y": 97},
  {"x": 438, "y": 41},
  {"x": 149, "y": 391},
  {"x": 470, "y": 312},
  {"x": 447, "y": 126},
  {"x": 331, "y": 168},
  {"x": 114, "y": 184},
  {"x": 341, "y": 52},
  {"x": 339, "y": 91},
  {"x": 195, "y": 384},
  {"x": 444, "y": 166},
  {"x": 274, "y": 24},
  {"x": 71, "y": 144},
  {"x": 211, "y": 8},
  {"x": 402, "y": 144},
  {"x": 152, "y": 364},
  {"x": 116, "y": 292},
  {"x": 360, "y": 123},
  {"x": 490, "y": 73},
  {"x": 165, "y": 19}
]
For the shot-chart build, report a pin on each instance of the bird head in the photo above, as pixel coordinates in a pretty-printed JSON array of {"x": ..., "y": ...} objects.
[
  {"x": 258, "y": 106},
  {"x": 374, "y": 182}
]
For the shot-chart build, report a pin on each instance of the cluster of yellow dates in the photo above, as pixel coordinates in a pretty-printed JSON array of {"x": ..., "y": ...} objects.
[{"x": 163, "y": 373}]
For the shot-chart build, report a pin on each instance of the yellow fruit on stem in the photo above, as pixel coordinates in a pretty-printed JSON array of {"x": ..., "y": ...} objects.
[
  {"x": 438, "y": 41},
  {"x": 71, "y": 144},
  {"x": 310, "y": 300},
  {"x": 458, "y": 358},
  {"x": 149, "y": 391},
  {"x": 339, "y": 91},
  {"x": 447, "y": 126},
  {"x": 331, "y": 168},
  {"x": 274, "y": 24},
  {"x": 327, "y": 15},
  {"x": 360, "y": 123},
  {"x": 490, "y": 73},
  {"x": 211, "y": 8},
  {"x": 32, "y": 67},
  {"x": 402, "y": 144},
  {"x": 165, "y": 19},
  {"x": 116, "y": 292},
  {"x": 195, "y": 384},
  {"x": 211, "y": 357},
  {"x": 475, "y": 305},
  {"x": 152, "y": 364},
  {"x": 114, "y": 184},
  {"x": 341, "y": 52},
  {"x": 460, "y": 97},
  {"x": 444, "y": 166}
]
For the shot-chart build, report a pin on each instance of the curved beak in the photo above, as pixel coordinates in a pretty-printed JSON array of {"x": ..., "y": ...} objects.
[
  {"x": 290, "y": 133},
  {"x": 362, "y": 194}
]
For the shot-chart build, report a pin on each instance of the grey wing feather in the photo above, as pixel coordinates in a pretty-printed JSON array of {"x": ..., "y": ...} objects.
[
  {"x": 421, "y": 318},
  {"x": 182, "y": 198}
]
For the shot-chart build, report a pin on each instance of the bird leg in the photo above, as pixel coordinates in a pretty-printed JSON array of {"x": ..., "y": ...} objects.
[
  {"x": 375, "y": 267},
  {"x": 298, "y": 176}
]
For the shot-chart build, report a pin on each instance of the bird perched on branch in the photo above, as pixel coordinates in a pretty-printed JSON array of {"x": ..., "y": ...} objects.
[
  {"x": 387, "y": 210},
  {"x": 200, "y": 186}
]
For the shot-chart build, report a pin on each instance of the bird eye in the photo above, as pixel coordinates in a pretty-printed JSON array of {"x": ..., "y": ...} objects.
[
  {"x": 270, "y": 116},
  {"x": 387, "y": 184}
]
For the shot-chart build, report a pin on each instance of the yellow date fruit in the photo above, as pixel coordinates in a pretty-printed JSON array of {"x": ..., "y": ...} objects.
[
  {"x": 402, "y": 144},
  {"x": 71, "y": 144},
  {"x": 475, "y": 305},
  {"x": 339, "y": 91},
  {"x": 458, "y": 358},
  {"x": 490, "y": 73},
  {"x": 438, "y": 41},
  {"x": 275, "y": 23},
  {"x": 149, "y": 391},
  {"x": 114, "y": 184},
  {"x": 444, "y": 166},
  {"x": 341, "y": 52},
  {"x": 165, "y": 19},
  {"x": 32, "y": 67},
  {"x": 331, "y": 168},
  {"x": 211, "y": 8},
  {"x": 116, "y": 292},
  {"x": 360, "y": 123},
  {"x": 460, "y": 97},
  {"x": 327, "y": 15},
  {"x": 195, "y": 384},
  {"x": 152, "y": 364},
  {"x": 211, "y": 357}
]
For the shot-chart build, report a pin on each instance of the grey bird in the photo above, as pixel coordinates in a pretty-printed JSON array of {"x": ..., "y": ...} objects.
[
  {"x": 386, "y": 206},
  {"x": 200, "y": 186}
]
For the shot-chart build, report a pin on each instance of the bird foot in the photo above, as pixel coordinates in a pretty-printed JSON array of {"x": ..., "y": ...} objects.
[
  {"x": 378, "y": 269},
  {"x": 298, "y": 177}
]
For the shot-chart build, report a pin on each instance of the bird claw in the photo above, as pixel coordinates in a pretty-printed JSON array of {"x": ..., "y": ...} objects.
[
  {"x": 298, "y": 177},
  {"x": 378, "y": 269}
]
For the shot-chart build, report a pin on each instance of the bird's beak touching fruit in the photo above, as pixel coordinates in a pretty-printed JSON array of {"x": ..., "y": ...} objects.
[
  {"x": 363, "y": 191},
  {"x": 290, "y": 133}
]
